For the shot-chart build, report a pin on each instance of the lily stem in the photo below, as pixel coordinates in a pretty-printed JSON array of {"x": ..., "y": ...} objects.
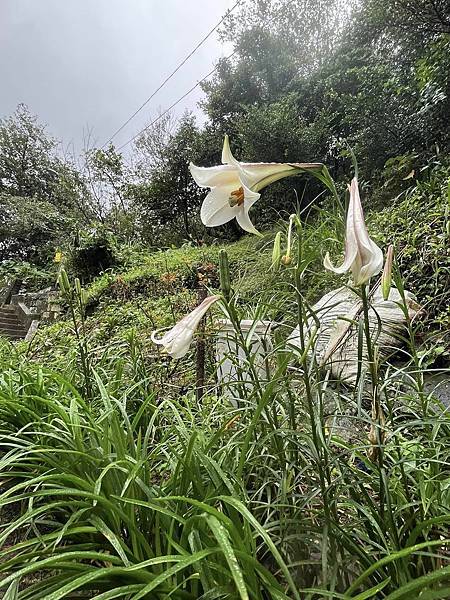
[{"x": 377, "y": 413}]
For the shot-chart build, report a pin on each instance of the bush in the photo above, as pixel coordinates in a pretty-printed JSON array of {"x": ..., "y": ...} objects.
[
  {"x": 91, "y": 255},
  {"x": 417, "y": 223},
  {"x": 30, "y": 276}
]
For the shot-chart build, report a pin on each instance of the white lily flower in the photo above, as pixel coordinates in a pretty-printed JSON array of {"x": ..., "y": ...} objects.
[
  {"x": 235, "y": 186},
  {"x": 177, "y": 340},
  {"x": 362, "y": 256}
]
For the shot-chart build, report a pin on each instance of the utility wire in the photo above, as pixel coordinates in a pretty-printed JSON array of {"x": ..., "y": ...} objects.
[
  {"x": 169, "y": 77},
  {"x": 191, "y": 89},
  {"x": 175, "y": 103}
]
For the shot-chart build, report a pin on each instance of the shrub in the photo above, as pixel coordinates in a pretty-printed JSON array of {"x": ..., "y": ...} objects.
[
  {"x": 417, "y": 223},
  {"x": 91, "y": 255}
]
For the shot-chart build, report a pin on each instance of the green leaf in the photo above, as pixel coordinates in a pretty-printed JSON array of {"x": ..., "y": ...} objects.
[
  {"x": 168, "y": 573},
  {"x": 221, "y": 535},
  {"x": 12, "y": 593},
  {"x": 409, "y": 590},
  {"x": 391, "y": 558},
  {"x": 263, "y": 533}
]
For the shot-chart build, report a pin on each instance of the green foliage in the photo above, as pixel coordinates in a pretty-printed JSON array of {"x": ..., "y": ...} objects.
[
  {"x": 127, "y": 486},
  {"x": 31, "y": 168},
  {"x": 417, "y": 224},
  {"x": 167, "y": 193},
  {"x": 304, "y": 77},
  {"x": 125, "y": 503},
  {"x": 27, "y": 167},
  {"x": 31, "y": 229},
  {"x": 41, "y": 195},
  {"x": 108, "y": 176},
  {"x": 91, "y": 254},
  {"x": 29, "y": 275},
  {"x": 127, "y": 483},
  {"x": 117, "y": 482}
]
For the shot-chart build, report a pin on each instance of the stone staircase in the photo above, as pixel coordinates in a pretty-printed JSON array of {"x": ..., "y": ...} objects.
[{"x": 10, "y": 324}]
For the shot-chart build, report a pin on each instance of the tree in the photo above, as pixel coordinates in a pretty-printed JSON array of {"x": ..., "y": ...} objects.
[
  {"x": 276, "y": 42},
  {"x": 31, "y": 229},
  {"x": 42, "y": 196},
  {"x": 27, "y": 167},
  {"x": 108, "y": 171},
  {"x": 30, "y": 167},
  {"x": 165, "y": 192}
]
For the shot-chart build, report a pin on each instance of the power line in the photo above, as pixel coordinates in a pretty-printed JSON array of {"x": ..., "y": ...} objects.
[
  {"x": 175, "y": 103},
  {"x": 270, "y": 20},
  {"x": 169, "y": 77}
]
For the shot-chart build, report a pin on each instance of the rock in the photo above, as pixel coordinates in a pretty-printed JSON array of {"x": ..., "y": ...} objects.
[{"x": 335, "y": 325}]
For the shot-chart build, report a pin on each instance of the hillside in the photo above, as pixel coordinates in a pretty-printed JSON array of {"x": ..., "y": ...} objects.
[
  {"x": 110, "y": 453},
  {"x": 225, "y": 308},
  {"x": 152, "y": 290}
]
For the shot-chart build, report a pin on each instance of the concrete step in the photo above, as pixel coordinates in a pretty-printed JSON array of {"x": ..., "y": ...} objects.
[
  {"x": 13, "y": 331},
  {"x": 12, "y": 336},
  {"x": 9, "y": 318},
  {"x": 8, "y": 308},
  {"x": 13, "y": 326},
  {"x": 11, "y": 322},
  {"x": 7, "y": 324},
  {"x": 9, "y": 314}
]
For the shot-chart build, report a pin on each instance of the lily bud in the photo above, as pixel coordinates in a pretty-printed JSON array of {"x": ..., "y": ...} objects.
[
  {"x": 83, "y": 298},
  {"x": 64, "y": 283},
  {"x": 286, "y": 260},
  {"x": 224, "y": 274},
  {"x": 362, "y": 256},
  {"x": 177, "y": 340},
  {"x": 78, "y": 287},
  {"x": 386, "y": 278},
  {"x": 276, "y": 252}
]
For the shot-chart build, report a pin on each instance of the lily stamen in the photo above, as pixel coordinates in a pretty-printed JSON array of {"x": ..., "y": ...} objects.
[{"x": 237, "y": 197}]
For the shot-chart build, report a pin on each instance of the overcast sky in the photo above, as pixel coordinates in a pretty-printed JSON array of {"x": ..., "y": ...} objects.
[{"x": 82, "y": 64}]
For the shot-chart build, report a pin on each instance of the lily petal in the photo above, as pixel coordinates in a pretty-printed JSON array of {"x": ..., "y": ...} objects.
[
  {"x": 339, "y": 270},
  {"x": 177, "y": 340},
  {"x": 216, "y": 209},
  {"x": 250, "y": 197},
  {"x": 214, "y": 176},
  {"x": 242, "y": 217},
  {"x": 362, "y": 256},
  {"x": 227, "y": 155},
  {"x": 258, "y": 175},
  {"x": 372, "y": 267},
  {"x": 244, "y": 221}
]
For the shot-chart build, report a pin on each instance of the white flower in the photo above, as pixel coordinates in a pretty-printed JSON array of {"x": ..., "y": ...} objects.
[
  {"x": 177, "y": 340},
  {"x": 235, "y": 186},
  {"x": 362, "y": 256}
]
